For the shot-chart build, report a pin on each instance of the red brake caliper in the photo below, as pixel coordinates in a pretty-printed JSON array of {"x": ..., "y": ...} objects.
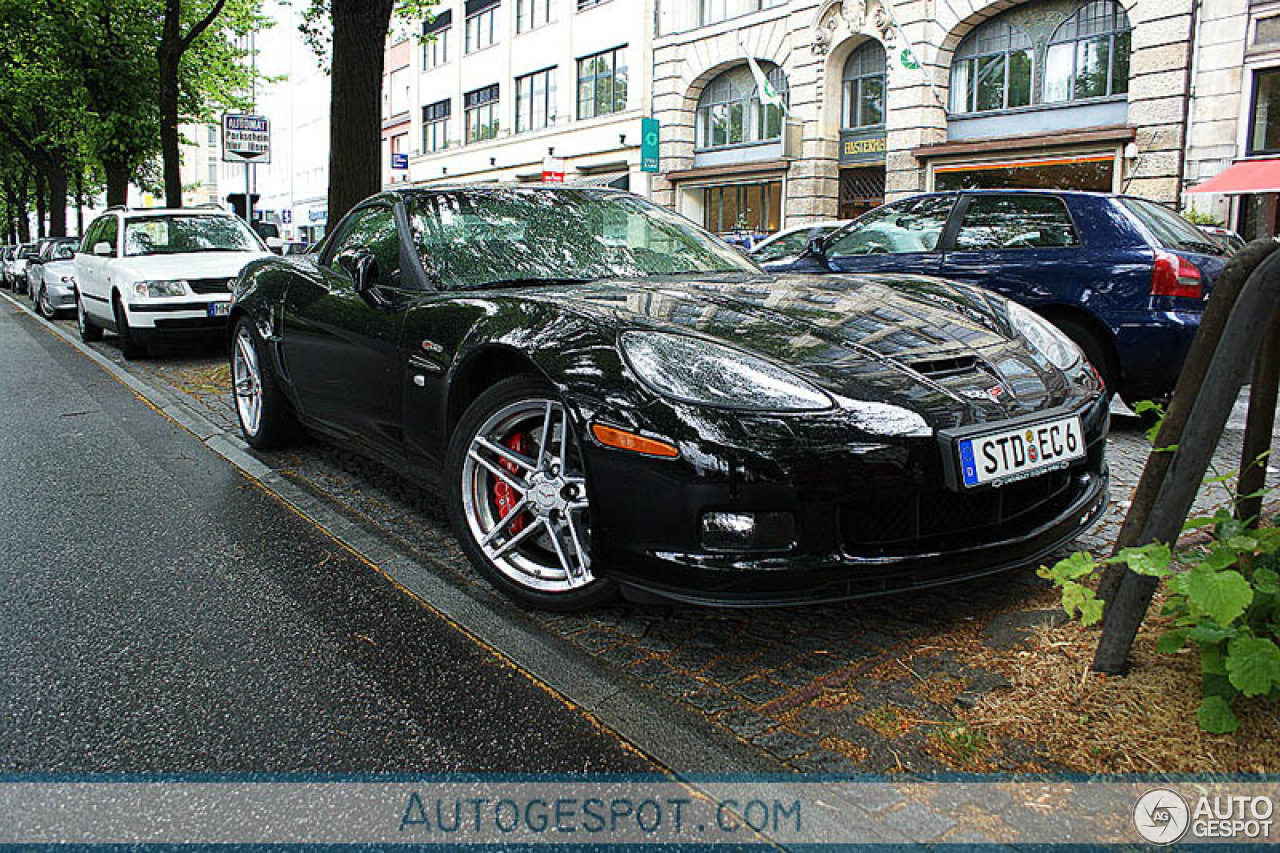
[{"x": 505, "y": 497}]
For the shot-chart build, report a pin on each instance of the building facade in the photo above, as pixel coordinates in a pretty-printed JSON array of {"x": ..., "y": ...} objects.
[
  {"x": 884, "y": 99},
  {"x": 507, "y": 90}
]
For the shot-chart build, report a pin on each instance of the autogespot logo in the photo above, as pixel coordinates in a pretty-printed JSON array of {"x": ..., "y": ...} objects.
[{"x": 1161, "y": 816}]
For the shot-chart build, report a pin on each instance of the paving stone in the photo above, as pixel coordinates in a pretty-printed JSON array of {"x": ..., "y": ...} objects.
[
  {"x": 676, "y": 683},
  {"x": 693, "y": 658},
  {"x": 648, "y": 669},
  {"x": 594, "y": 641},
  {"x": 824, "y": 761},
  {"x": 873, "y": 797},
  {"x": 730, "y": 669},
  {"x": 784, "y": 744},
  {"x": 985, "y": 797},
  {"x": 758, "y": 691},
  {"x": 620, "y": 655},
  {"x": 712, "y": 700},
  {"x": 747, "y": 724},
  {"x": 1011, "y": 629}
]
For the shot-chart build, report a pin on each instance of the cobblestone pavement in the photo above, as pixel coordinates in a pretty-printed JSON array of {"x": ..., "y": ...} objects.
[{"x": 819, "y": 689}]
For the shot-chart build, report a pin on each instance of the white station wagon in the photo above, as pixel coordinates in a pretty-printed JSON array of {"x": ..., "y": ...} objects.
[{"x": 153, "y": 274}]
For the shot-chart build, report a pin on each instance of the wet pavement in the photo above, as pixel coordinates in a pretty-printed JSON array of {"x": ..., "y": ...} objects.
[
  {"x": 832, "y": 688},
  {"x": 162, "y": 613}
]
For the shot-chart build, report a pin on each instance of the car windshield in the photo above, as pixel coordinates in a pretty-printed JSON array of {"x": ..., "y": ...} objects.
[
  {"x": 492, "y": 237},
  {"x": 176, "y": 235},
  {"x": 790, "y": 245}
]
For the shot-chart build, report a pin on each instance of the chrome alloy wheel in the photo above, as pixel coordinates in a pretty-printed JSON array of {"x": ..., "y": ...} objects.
[
  {"x": 524, "y": 496},
  {"x": 247, "y": 381},
  {"x": 82, "y": 322}
]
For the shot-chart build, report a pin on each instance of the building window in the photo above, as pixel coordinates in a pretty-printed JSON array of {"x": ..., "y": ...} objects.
[
  {"x": 481, "y": 107},
  {"x": 213, "y": 173},
  {"x": 1088, "y": 55},
  {"x": 602, "y": 84},
  {"x": 730, "y": 111},
  {"x": 1264, "y": 132},
  {"x": 435, "y": 52},
  {"x": 535, "y": 100},
  {"x": 992, "y": 69},
  {"x": 590, "y": 4},
  {"x": 864, "y": 87},
  {"x": 531, "y": 14},
  {"x": 213, "y": 136},
  {"x": 743, "y": 207},
  {"x": 435, "y": 126},
  {"x": 482, "y": 29},
  {"x": 398, "y": 95},
  {"x": 715, "y": 11}
]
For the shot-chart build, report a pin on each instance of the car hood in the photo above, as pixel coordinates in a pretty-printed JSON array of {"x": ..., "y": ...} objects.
[
  {"x": 193, "y": 265},
  {"x": 936, "y": 348}
]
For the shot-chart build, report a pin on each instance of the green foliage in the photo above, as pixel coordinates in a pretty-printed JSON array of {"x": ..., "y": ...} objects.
[
  {"x": 317, "y": 26},
  {"x": 1223, "y": 600},
  {"x": 1196, "y": 217}
]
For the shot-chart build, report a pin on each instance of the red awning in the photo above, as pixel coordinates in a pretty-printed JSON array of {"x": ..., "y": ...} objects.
[{"x": 1247, "y": 176}]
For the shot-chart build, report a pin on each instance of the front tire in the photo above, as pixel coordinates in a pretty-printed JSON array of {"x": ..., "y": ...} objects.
[
  {"x": 266, "y": 418},
  {"x": 1094, "y": 349},
  {"x": 44, "y": 307},
  {"x": 519, "y": 498},
  {"x": 89, "y": 331},
  {"x": 130, "y": 347}
]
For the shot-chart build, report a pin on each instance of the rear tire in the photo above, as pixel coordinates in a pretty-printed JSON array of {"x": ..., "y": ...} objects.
[
  {"x": 130, "y": 347},
  {"x": 90, "y": 332},
  {"x": 266, "y": 418}
]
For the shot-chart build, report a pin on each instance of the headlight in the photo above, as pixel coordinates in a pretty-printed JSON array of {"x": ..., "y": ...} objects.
[
  {"x": 160, "y": 288},
  {"x": 697, "y": 371},
  {"x": 1044, "y": 336}
]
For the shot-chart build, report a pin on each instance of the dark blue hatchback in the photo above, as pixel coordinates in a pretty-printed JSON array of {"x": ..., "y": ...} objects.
[{"x": 1124, "y": 277}]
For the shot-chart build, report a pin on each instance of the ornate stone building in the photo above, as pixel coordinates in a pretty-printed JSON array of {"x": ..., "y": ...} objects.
[{"x": 890, "y": 97}]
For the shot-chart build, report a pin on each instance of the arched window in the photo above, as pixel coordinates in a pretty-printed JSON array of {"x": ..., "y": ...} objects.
[
  {"x": 730, "y": 112},
  {"x": 863, "y": 104},
  {"x": 1088, "y": 55},
  {"x": 992, "y": 69}
]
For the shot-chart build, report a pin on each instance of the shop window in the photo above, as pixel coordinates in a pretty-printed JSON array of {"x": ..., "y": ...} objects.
[
  {"x": 602, "y": 84},
  {"x": 1092, "y": 172},
  {"x": 481, "y": 108},
  {"x": 435, "y": 126},
  {"x": 1015, "y": 222},
  {"x": 1264, "y": 135},
  {"x": 863, "y": 99},
  {"x": 535, "y": 100},
  {"x": 914, "y": 225},
  {"x": 743, "y": 207},
  {"x": 1088, "y": 56},
  {"x": 730, "y": 111},
  {"x": 861, "y": 191}
]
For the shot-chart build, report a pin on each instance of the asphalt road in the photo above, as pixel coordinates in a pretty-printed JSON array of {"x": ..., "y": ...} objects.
[{"x": 160, "y": 613}]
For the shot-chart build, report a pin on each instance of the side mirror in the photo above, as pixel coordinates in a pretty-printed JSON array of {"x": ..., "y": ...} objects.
[
  {"x": 275, "y": 244},
  {"x": 816, "y": 248},
  {"x": 102, "y": 249},
  {"x": 363, "y": 269}
]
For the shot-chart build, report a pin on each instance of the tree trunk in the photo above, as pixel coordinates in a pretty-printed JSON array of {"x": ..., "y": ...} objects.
[
  {"x": 23, "y": 210},
  {"x": 355, "y": 131},
  {"x": 58, "y": 200},
  {"x": 170, "y": 139},
  {"x": 41, "y": 198},
  {"x": 80, "y": 200},
  {"x": 117, "y": 183}
]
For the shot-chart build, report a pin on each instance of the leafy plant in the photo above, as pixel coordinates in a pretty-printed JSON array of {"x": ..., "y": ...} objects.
[
  {"x": 1196, "y": 217},
  {"x": 1223, "y": 598}
]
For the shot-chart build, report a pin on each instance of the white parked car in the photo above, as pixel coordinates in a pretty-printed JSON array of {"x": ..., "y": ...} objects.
[
  {"x": 51, "y": 277},
  {"x": 153, "y": 274}
]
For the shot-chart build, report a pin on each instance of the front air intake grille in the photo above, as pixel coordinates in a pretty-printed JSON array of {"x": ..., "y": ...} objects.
[
  {"x": 941, "y": 368},
  {"x": 210, "y": 285}
]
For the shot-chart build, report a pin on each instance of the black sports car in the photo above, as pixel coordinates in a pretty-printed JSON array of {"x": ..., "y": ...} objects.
[{"x": 619, "y": 401}]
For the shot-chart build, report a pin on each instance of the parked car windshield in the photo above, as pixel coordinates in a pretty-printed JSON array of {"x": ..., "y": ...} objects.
[
  {"x": 790, "y": 245},
  {"x": 176, "y": 235},
  {"x": 484, "y": 238},
  {"x": 914, "y": 225}
]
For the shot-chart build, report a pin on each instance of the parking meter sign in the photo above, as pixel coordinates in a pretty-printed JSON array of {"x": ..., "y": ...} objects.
[{"x": 246, "y": 138}]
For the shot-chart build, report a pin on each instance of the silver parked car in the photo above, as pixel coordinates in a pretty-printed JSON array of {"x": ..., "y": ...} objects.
[
  {"x": 18, "y": 267},
  {"x": 51, "y": 279}
]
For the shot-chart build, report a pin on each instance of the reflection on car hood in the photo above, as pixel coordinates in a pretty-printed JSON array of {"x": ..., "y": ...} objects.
[
  {"x": 188, "y": 265},
  {"x": 932, "y": 346}
]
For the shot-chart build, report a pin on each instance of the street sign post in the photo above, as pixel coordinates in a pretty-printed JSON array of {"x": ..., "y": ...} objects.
[
  {"x": 649, "y": 137},
  {"x": 246, "y": 139}
]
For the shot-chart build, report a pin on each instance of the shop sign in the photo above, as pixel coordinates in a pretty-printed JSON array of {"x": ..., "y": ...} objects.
[
  {"x": 862, "y": 149},
  {"x": 553, "y": 170},
  {"x": 317, "y": 214},
  {"x": 649, "y": 136}
]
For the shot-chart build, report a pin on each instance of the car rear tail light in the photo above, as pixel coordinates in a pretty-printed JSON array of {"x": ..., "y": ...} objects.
[{"x": 1174, "y": 275}]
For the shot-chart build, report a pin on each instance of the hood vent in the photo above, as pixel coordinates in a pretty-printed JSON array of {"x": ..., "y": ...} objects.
[{"x": 947, "y": 366}]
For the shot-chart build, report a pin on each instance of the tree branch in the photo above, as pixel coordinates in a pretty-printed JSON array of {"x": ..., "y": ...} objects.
[{"x": 202, "y": 25}]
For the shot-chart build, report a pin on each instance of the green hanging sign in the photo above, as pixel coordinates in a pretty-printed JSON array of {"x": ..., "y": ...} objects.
[{"x": 649, "y": 144}]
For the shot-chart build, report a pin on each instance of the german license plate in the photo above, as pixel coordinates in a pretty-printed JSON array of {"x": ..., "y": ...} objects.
[
  {"x": 219, "y": 309},
  {"x": 1020, "y": 452}
]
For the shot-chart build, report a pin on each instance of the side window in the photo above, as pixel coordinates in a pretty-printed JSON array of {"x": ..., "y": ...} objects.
[
  {"x": 914, "y": 225},
  {"x": 372, "y": 228},
  {"x": 1169, "y": 229},
  {"x": 1015, "y": 222},
  {"x": 110, "y": 230},
  {"x": 784, "y": 247},
  {"x": 90, "y": 237}
]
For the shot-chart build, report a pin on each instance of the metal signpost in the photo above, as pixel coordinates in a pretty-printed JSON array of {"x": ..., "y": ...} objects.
[{"x": 246, "y": 139}]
